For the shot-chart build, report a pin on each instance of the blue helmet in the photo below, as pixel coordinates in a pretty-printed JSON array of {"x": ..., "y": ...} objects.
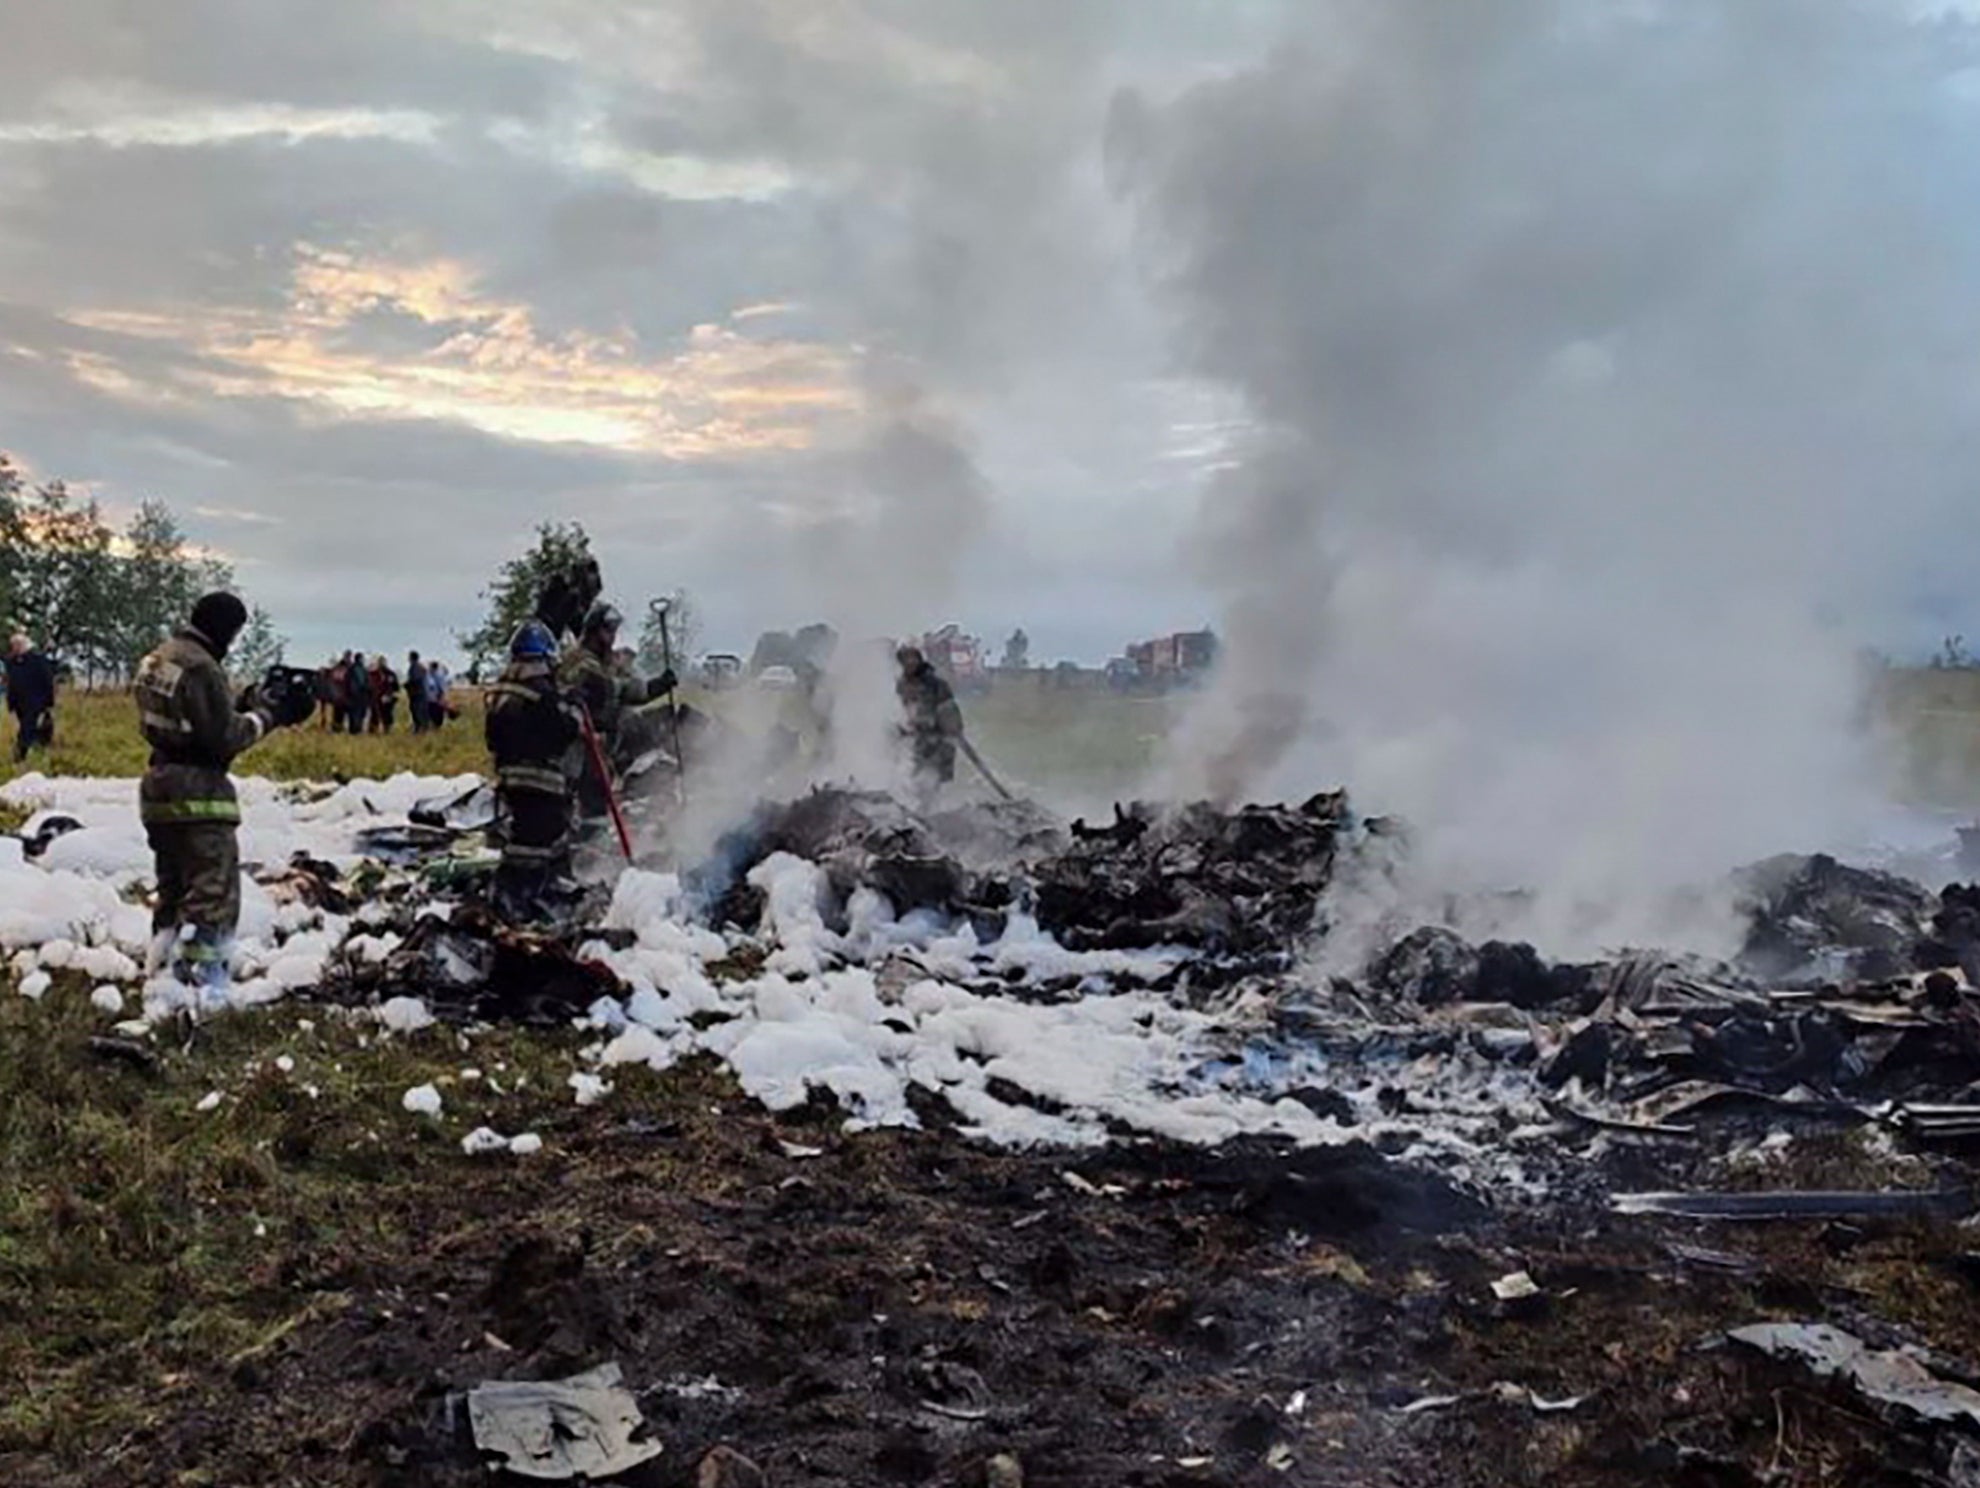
[{"x": 532, "y": 642}]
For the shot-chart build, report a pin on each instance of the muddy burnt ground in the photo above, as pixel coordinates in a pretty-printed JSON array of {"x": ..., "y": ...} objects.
[{"x": 905, "y": 1305}]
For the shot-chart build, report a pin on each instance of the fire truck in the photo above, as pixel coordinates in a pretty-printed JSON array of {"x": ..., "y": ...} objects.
[{"x": 958, "y": 657}]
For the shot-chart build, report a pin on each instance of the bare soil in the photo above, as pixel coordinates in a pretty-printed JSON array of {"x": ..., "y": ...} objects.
[{"x": 905, "y": 1306}]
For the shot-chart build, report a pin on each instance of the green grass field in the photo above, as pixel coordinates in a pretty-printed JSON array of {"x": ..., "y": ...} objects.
[
  {"x": 1082, "y": 744},
  {"x": 96, "y": 734},
  {"x": 1934, "y": 722},
  {"x": 1036, "y": 735}
]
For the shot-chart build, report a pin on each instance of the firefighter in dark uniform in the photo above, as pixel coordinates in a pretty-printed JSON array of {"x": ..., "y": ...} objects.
[
  {"x": 933, "y": 723},
  {"x": 532, "y": 724},
  {"x": 189, "y": 807},
  {"x": 608, "y": 697}
]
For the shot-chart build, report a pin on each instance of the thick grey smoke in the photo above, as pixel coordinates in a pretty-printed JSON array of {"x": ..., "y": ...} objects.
[
  {"x": 961, "y": 144},
  {"x": 1613, "y": 373}
]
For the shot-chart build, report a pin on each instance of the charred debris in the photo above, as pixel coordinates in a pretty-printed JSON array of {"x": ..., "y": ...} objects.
[{"x": 1853, "y": 997}]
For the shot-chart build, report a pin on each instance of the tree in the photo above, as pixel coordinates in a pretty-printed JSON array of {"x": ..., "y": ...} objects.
[
  {"x": 65, "y": 583},
  {"x": 511, "y": 595},
  {"x": 1017, "y": 651},
  {"x": 97, "y": 600},
  {"x": 158, "y": 584},
  {"x": 683, "y": 631},
  {"x": 13, "y": 537},
  {"x": 259, "y": 646}
]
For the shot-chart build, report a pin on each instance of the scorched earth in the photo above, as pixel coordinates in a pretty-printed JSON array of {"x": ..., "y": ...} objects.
[{"x": 976, "y": 1147}]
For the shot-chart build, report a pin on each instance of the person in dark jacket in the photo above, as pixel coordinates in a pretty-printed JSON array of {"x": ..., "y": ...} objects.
[
  {"x": 416, "y": 701},
  {"x": 357, "y": 693},
  {"x": 531, "y": 725},
  {"x": 607, "y": 695},
  {"x": 932, "y": 723},
  {"x": 384, "y": 696},
  {"x": 30, "y": 696},
  {"x": 191, "y": 812}
]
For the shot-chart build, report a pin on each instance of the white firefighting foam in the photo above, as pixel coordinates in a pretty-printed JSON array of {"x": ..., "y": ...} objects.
[{"x": 889, "y": 1011}]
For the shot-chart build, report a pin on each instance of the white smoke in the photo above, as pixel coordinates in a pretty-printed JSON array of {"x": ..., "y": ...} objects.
[{"x": 1613, "y": 375}]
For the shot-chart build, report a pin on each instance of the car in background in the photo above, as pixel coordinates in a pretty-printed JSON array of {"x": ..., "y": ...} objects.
[
  {"x": 720, "y": 669},
  {"x": 777, "y": 679}
]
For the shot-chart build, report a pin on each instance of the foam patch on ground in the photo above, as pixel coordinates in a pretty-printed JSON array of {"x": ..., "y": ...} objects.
[{"x": 885, "y": 1015}]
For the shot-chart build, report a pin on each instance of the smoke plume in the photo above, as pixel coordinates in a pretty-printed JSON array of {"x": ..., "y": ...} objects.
[{"x": 1611, "y": 371}]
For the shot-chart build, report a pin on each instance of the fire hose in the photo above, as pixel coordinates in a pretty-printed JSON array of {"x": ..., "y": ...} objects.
[
  {"x": 595, "y": 752},
  {"x": 969, "y": 749}
]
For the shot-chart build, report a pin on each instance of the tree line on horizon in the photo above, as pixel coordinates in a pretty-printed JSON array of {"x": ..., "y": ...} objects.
[{"x": 96, "y": 598}]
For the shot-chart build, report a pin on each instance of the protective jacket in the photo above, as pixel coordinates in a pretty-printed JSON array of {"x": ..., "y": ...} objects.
[
  {"x": 930, "y": 705},
  {"x": 187, "y": 712},
  {"x": 605, "y": 694},
  {"x": 530, "y": 729}
]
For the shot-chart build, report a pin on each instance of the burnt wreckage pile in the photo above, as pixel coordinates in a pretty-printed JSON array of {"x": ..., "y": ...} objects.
[
  {"x": 1228, "y": 884},
  {"x": 1853, "y": 997}
]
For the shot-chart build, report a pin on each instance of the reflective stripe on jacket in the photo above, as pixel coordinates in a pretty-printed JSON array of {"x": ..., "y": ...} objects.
[{"x": 186, "y": 712}]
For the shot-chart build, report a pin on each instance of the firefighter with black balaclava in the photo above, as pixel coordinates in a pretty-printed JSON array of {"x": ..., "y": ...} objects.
[
  {"x": 190, "y": 809},
  {"x": 606, "y": 695},
  {"x": 532, "y": 724}
]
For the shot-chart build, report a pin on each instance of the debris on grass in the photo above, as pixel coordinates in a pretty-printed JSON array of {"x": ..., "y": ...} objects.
[{"x": 583, "y": 1428}]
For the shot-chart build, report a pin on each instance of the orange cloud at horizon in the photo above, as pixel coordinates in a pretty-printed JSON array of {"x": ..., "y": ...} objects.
[{"x": 488, "y": 365}]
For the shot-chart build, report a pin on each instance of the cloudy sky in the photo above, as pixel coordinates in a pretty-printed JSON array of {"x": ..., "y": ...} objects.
[{"x": 808, "y": 306}]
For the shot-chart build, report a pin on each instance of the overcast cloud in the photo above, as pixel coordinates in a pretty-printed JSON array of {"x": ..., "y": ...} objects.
[{"x": 366, "y": 291}]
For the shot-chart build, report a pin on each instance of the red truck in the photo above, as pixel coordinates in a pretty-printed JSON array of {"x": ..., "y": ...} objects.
[{"x": 1180, "y": 659}]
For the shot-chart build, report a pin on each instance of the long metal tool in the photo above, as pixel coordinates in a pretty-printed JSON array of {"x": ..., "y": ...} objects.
[
  {"x": 969, "y": 749},
  {"x": 595, "y": 751},
  {"x": 660, "y": 608}
]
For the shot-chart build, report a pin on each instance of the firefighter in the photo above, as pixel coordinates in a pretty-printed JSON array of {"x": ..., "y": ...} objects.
[
  {"x": 606, "y": 695},
  {"x": 191, "y": 813},
  {"x": 933, "y": 723},
  {"x": 532, "y": 723}
]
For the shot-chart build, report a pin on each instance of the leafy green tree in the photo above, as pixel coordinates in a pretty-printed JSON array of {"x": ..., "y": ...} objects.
[
  {"x": 156, "y": 586},
  {"x": 13, "y": 537},
  {"x": 511, "y": 595},
  {"x": 66, "y": 589},
  {"x": 259, "y": 647}
]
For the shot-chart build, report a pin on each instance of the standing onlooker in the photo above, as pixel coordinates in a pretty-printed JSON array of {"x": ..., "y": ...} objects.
[
  {"x": 384, "y": 696},
  {"x": 416, "y": 696},
  {"x": 357, "y": 693},
  {"x": 327, "y": 682},
  {"x": 30, "y": 696},
  {"x": 439, "y": 682}
]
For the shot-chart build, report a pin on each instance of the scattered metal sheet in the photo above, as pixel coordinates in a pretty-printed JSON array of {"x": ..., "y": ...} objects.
[
  {"x": 1518, "y": 1287},
  {"x": 471, "y": 811},
  {"x": 1896, "y": 1204},
  {"x": 1950, "y": 1125},
  {"x": 1692, "y": 1096},
  {"x": 1889, "y": 1377},
  {"x": 587, "y": 1426},
  {"x": 1714, "y": 1260},
  {"x": 1565, "y": 1111}
]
